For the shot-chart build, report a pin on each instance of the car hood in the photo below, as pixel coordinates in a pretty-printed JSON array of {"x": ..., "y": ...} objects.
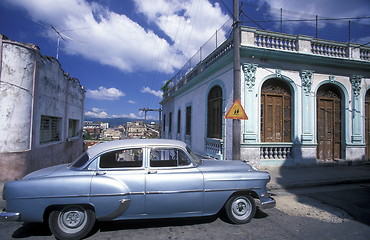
[
  {"x": 224, "y": 166},
  {"x": 45, "y": 172}
]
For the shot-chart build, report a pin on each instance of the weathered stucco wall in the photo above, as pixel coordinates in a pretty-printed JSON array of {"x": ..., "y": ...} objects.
[
  {"x": 16, "y": 165},
  {"x": 16, "y": 97},
  {"x": 32, "y": 86}
]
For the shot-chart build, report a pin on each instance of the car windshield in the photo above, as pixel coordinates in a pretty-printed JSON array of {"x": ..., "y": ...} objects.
[
  {"x": 80, "y": 161},
  {"x": 196, "y": 158}
]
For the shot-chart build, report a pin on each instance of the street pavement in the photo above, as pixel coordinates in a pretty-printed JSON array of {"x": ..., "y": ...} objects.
[{"x": 298, "y": 177}]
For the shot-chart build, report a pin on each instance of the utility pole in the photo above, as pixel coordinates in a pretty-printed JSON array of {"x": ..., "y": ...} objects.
[
  {"x": 145, "y": 110},
  {"x": 237, "y": 85}
]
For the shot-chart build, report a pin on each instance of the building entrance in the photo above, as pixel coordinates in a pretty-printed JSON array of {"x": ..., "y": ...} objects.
[
  {"x": 367, "y": 124},
  {"x": 329, "y": 123}
]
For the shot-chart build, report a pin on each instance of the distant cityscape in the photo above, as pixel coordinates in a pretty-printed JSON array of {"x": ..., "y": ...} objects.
[{"x": 99, "y": 130}]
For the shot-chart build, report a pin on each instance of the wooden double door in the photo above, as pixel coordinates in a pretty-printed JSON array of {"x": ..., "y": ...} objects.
[
  {"x": 276, "y": 113},
  {"x": 367, "y": 125},
  {"x": 329, "y": 123}
]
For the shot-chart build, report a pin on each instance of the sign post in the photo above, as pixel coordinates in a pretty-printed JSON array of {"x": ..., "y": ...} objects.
[{"x": 237, "y": 82}]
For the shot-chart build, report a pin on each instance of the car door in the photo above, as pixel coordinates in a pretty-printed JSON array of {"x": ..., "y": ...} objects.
[
  {"x": 174, "y": 185},
  {"x": 118, "y": 185}
]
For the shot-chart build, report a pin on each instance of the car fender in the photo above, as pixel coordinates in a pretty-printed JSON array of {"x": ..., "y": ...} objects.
[
  {"x": 31, "y": 197},
  {"x": 109, "y": 196}
]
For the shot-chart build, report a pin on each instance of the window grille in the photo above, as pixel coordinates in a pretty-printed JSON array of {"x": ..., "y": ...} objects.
[
  {"x": 50, "y": 129},
  {"x": 188, "y": 120},
  {"x": 214, "y": 128},
  {"x": 164, "y": 123},
  {"x": 179, "y": 121},
  {"x": 170, "y": 123},
  {"x": 73, "y": 128}
]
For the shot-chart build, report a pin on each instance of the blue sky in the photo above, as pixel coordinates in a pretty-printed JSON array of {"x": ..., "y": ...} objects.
[{"x": 123, "y": 51}]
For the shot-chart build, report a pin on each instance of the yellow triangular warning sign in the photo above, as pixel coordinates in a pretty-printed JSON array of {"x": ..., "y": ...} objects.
[{"x": 236, "y": 111}]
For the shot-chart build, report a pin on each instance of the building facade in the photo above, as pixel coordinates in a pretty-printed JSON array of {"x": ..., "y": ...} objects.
[
  {"x": 307, "y": 101},
  {"x": 41, "y": 111}
]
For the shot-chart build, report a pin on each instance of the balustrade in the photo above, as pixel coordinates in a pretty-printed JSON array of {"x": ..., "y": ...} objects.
[
  {"x": 275, "y": 152},
  {"x": 332, "y": 50},
  {"x": 214, "y": 147},
  {"x": 272, "y": 40},
  {"x": 365, "y": 54},
  {"x": 276, "y": 42}
]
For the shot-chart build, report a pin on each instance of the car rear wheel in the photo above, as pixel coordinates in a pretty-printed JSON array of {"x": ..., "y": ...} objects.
[
  {"x": 240, "y": 209},
  {"x": 71, "y": 222}
]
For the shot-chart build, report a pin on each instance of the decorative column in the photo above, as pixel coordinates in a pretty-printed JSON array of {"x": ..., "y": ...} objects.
[
  {"x": 250, "y": 104},
  {"x": 356, "y": 109},
  {"x": 307, "y": 134}
]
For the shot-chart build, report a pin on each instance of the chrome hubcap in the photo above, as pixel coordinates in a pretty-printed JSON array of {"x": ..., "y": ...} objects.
[
  {"x": 73, "y": 219},
  {"x": 241, "y": 208}
]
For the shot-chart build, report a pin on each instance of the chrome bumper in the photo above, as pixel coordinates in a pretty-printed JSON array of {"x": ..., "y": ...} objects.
[
  {"x": 9, "y": 216},
  {"x": 266, "y": 203}
]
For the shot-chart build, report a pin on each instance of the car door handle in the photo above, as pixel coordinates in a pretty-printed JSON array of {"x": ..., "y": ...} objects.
[
  {"x": 152, "y": 172},
  {"x": 100, "y": 173}
]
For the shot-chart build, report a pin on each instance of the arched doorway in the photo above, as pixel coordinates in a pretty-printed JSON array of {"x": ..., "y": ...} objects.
[
  {"x": 214, "y": 117},
  {"x": 276, "y": 113},
  {"x": 367, "y": 124},
  {"x": 329, "y": 123}
]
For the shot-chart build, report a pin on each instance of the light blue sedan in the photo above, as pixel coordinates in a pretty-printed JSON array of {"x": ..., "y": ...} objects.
[{"x": 135, "y": 179}]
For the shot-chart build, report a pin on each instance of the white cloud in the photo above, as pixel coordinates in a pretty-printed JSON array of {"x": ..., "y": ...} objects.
[
  {"x": 103, "y": 93},
  {"x": 131, "y": 102},
  {"x": 322, "y": 8},
  {"x": 102, "y": 35},
  {"x": 101, "y": 113},
  {"x": 184, "y": 21},
  {"x": 308, "y": 10},
  {"x": 96, "y": 113},
  {"x": 151, "y": 91}
]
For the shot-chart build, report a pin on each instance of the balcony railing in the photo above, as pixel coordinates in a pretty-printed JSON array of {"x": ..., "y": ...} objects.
[
  {"x": 275, "y": 41},
  {"x": 214, "y": 148},
  {"x": 303, "y": 44},
  {"x": 251, "y": 37},
  {"x": 276, "y": 151}
]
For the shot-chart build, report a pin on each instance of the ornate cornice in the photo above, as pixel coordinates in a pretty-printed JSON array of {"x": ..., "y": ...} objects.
[
  {"x": 306, "y": 77},
  {"x": 249, "y": 74},
  {"x": 356, "y": 84}
]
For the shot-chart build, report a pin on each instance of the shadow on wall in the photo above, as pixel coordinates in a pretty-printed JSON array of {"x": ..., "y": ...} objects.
[{"x": 15, "y": 166}]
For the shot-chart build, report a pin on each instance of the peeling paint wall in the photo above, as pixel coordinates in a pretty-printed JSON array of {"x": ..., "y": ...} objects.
[
  {"x": 32, "y": 86},
  {"x": 16, "y": 88}
]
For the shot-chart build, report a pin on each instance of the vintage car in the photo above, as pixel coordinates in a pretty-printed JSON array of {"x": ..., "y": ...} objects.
[{"x": 135, "y": 179}]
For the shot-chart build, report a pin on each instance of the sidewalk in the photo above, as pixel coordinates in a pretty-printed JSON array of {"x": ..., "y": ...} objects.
[{"x": 293, "y": 177}]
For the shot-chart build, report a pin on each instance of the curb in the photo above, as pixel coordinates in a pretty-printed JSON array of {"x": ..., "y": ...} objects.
[{"x": 316, "y": 183}]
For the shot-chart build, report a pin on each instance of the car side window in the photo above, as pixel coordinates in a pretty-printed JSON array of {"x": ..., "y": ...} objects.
[
  {"x": 124, "y": 158},
  {"x": 168, "y": 157}
]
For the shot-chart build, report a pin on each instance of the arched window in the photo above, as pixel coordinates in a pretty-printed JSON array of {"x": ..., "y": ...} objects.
[
  {"x": 179, "y": 121},
  {"x": 214, "y": 117},
  {"x": 276, "y": 113}
]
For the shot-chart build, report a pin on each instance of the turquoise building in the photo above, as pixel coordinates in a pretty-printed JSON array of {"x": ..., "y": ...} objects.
[{"x": 307, "y": 101}]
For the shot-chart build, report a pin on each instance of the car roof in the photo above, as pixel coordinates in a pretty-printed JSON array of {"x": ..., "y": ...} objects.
[{"x": 106, "y": 146}]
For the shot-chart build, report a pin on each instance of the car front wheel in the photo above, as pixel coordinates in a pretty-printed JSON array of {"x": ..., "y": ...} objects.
[
  {"x": 71, "y": 222},
  {"x": 240, "y": 209}
]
